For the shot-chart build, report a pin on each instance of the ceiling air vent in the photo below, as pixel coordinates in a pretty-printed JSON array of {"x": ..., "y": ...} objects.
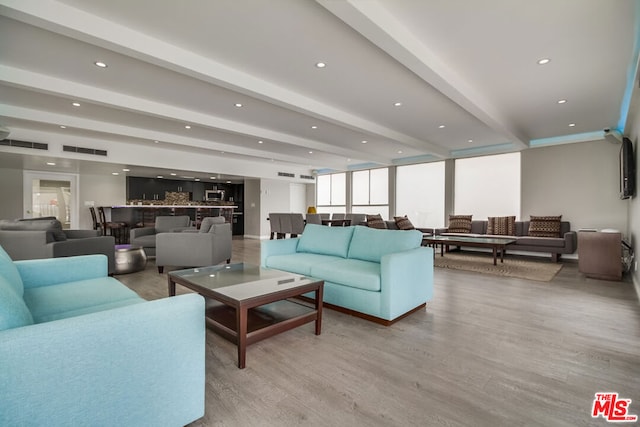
[
  {"x": 83, "y": 150},
  {"x": 307, "y": 177},
  {"x": 24, "y": 144},
  {"x": 287, "y": 174}
]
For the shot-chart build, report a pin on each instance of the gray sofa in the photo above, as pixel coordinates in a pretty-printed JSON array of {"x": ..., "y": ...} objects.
[
  {"x": 195, "y": 248},
  {"x": 146, "y": 236},
  {"x": 45, "y": 238},
  {"x": 556, "y": 246}
]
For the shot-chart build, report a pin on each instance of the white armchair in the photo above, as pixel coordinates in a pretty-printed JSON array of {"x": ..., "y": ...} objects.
[{"x": 208, "y": 246}]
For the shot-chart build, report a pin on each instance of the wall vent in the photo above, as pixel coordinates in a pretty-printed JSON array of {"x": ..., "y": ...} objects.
[
  {"x": 308, "y": 177},
  {"x": 83, "y": 150},
  {"x": 24, "y": 144},
  {"x": 287, "y": 174}
]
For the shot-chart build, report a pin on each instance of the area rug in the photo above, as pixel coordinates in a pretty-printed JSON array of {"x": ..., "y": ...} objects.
[{"x": 543, "y": 270}]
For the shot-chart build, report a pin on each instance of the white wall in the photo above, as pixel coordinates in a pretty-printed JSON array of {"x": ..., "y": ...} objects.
[
  {"x": 252, "y": 208},
  {"x": 578, "y": 181},
  {"x": 274, "y": 197},
  {"x": 633, "y": 225},
  {"x": 11, "y": 193}
]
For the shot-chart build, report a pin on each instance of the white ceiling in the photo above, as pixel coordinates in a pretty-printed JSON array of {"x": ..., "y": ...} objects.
[{"x": 470, "y": 66}]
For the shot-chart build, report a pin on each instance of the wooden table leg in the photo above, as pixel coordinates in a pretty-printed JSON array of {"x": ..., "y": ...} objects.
[
  {"x": 495, "y": 255},
  {"x": 241, "y": 322},
  {"x": 319, "y": 296},
  {"x": 172, "y": 288}
]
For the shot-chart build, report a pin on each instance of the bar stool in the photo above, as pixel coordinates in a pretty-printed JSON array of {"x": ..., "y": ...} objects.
[
  {"x": 96, "y": 225},
  {"x": 119, "y": 230}
]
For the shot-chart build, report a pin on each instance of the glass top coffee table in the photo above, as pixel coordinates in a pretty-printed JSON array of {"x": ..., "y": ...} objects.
[
  {"x": 247, "y": 303},
  {"x": 498, "y": 244}
]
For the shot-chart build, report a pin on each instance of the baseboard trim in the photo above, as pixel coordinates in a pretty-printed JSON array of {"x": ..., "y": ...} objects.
[{"x": 365, "y": 316}]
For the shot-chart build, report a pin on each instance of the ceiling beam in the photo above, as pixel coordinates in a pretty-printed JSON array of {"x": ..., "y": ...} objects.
[{"x": 380, "y": 27}]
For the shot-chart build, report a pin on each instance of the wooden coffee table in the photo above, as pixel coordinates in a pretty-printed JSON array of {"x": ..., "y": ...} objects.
[
  {"x": 246, "y": 303},
  {"x": 498, "y": 244}
]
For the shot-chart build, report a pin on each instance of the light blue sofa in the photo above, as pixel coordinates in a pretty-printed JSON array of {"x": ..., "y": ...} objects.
[
  {"x": 381, "y": 275},
  {"x": 79, "y": 348}
]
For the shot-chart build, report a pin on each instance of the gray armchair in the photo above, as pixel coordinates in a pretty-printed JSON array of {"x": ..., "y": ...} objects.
[
  {"x": 146, "y": 236},
  {"x": 45, "y": 238},
  {"x": 208, "y": 246}
]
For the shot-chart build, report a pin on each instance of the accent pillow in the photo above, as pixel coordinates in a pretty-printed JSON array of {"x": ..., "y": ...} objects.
[
  {"x": 376, "y": 221},
  {"x": 501, "y": 225},
  {"x": 544, "y": 226},
  {"x": 403, "y": 223},
  {"x": 459, "y": 224}
]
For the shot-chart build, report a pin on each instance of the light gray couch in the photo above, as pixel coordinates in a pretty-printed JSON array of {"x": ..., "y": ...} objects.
[
  {"x": 195, "y": 248},
  {"x": 45, "y": 238},
  {"x": 146, "y": 236}
]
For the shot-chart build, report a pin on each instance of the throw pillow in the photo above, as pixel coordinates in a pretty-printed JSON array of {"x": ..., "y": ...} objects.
[
  {"x": 403, "y": 223},
  {"x": 501, "y": 225},
  {"x": 376, "y": 221},
  {"x": 545, "y": 226},
  {"x": 459, "y": 224}
]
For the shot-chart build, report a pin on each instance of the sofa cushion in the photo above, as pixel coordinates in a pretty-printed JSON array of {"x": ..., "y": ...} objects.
[
  {"x": 403, "y": 223},
  {"x": 323, "y": 240},
  {"x": 300, "y": 263},
  {"x": 501, "y": 225},
  {"x": 53, "y": 227},
  {"x": 205, "y": 225},
  {"x": 13, "y": 311},
  {"x": 545, "y": 226},
  {"x": 50, "y": 302},
  {"x": 10, "y": 272},
  {"x": 370, "y": 244},
  {"x": 354, "y": 273},
  {"x": 376, "y": 221},
  {"x": 555, "y": 242},
  {"x": 459, "y": 224}
]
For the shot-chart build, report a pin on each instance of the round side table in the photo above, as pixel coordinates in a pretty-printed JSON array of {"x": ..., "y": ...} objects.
[{"x": 129, "y": 259}]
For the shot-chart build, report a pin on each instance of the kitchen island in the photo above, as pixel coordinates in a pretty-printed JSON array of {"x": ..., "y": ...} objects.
[{"x": 144, "y": 215}]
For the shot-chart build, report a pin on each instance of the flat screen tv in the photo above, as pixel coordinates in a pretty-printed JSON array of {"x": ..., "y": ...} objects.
[{"x": 627, "y": 170}]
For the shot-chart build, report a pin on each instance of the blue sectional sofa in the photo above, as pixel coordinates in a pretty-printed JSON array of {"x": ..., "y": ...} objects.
[
  {"x": 381, "y": 275},
  {"x": 79, "y": 348}
]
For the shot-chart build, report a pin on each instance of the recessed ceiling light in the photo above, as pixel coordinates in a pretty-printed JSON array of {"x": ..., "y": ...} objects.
[
  {"x": 51, "y": 164},
  {"x": 572, "y": 125},
  {"x": 237, "y": 104},
  {"x": 100, "y": 64},
  {"x": 320, "y": 64},
  {"x": 310, "y": 152},
  {"x": 562, "y": 101},
  {"x": 441, "y": 126},
  {"x": 212, "y": 177},
  {"x": 160, "y": 176},
  {"x": 222, "y": 152},
  {"x": 115, "y": 173},
  {"x": 399, "y": 151},
  {"x": 156, "y": 141},
  {"x": 126, "y": 170},
  {"x": 228, "y": 182},
  {"x": 364, "y": 141},
  {"x": 260, "y": 142},
  {"x": 397, "y": 104},
  {"x": 470, "y": 140},
  {"x": 197, "y": 179},
  {"x": 188, "y": 177},
  {"x": 543, "y": 61},
  {"x": 187, "y": 127},
  {"x": 314, "y": 127},
  {"x": 173, "y": 174},
  {"x": 75, "y": 104},
  {"x": 63, "y": 127}
]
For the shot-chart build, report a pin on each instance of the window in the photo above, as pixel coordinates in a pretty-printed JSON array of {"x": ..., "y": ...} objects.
[
  {"x": 420, "y": 194},
  {"x": 331, "y": 193},
  {"x": 488, "y": 186},
  {"x": 370, "y": 192}
]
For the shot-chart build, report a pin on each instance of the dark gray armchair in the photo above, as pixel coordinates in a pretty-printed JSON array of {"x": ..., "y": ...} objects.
[
  {"x": 45, "y": 238},
  {"x": 146, "y": 236}
]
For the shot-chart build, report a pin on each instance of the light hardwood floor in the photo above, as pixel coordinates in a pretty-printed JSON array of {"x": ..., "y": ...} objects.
[{"x": 487, "y": 351}]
